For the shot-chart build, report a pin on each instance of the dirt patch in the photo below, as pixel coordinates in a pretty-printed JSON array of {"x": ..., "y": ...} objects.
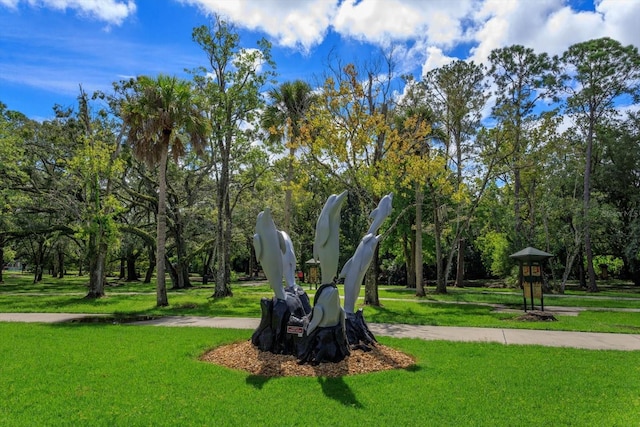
[
  {"x": 536, "y": 316},
  {"x": 246, "y": 357}
]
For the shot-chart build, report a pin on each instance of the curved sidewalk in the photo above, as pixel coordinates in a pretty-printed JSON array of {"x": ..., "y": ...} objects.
[{"x": 583, "y": 340}]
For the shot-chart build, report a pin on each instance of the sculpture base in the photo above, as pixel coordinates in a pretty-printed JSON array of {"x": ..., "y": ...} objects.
[
  {"x": 274, "y": 332},
  {"x": 324, "y": 344},
  {"x": 358, "y": 333}
]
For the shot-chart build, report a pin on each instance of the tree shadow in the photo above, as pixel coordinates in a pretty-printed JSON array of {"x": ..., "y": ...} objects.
[
  {"x": 257, "y": 381},
  {"x": 336, "y": 389},
  {"x": 269, "y": 367}
]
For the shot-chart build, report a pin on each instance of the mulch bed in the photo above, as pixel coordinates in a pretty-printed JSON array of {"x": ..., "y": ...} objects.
[
  {"x": 537, "y": 316},
  {"x": 244, "y": 356}
]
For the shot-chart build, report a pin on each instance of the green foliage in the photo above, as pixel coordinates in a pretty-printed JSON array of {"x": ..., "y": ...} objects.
[
  {"x": 613, "y": 264},
  {"x": 494, "y": 247},
  {"x": 71, "y": 183}
]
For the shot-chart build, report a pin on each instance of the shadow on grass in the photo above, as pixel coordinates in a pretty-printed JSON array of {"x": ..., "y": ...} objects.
[
  {"x": 335, "y": 388},
  {"x": 257, "y": 381}
]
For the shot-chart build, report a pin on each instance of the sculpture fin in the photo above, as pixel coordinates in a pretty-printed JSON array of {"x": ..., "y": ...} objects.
[
  {"x": 257, "y": 245},
  {"x": 282, "y": 243},
  {"x": 345, "y": 268}
]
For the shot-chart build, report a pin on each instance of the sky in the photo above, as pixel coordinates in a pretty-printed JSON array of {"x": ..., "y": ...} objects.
[{"x": 48, "y": 48}]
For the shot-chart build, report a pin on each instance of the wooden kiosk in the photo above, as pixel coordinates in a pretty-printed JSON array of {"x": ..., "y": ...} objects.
[{"x": 530, "y": 260}]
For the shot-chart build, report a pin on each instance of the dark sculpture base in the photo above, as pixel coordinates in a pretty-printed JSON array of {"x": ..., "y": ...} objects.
[
  {"x": 272, "y": 334},
  {"x": 283, "y": 326},
  {"x": 358, "y": 333},
  {"x": 327, "y": 344}
]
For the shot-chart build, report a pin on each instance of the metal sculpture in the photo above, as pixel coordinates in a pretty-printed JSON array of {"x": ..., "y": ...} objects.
[{"x": 326, "y": 242}]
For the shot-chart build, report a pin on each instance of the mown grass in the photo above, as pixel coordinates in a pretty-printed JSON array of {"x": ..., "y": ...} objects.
[
  {"x": 459, "y": 307},
  {"x": 117, "y": 375}
]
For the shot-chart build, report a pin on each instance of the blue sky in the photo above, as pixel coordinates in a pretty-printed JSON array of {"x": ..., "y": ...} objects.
[{"x": 49, "y": 47}]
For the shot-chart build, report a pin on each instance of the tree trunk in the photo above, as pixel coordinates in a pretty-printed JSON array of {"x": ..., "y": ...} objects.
[
  {"x": 581, "y": 273},
  {"x": 591, "y": 274},
  {"x": 152, "y": 265},
  {"x": 441, "y": 277},
  {"x": 41, "y": 256},
  {"x": 2, "y": 240},
  {"x": 517, "y": 229},
  {"x": 571, "y": 257},
  {"x": 418, "y": 242},
  {"x": 61, "y": 271},
  {"x": 161, "y": 285},
  {"x": 206, "y": 268},
  {"x": 132, "y": 274},
  {"x": 252, "y": 256},
  {"x": 227, "y": 237},
  {"x": 181, "y": 278},
  {"x": 223, "y": 272},
  {"x": 288, "y": 192},
  {"x": 97, "y": 274},
  {"x": 371, "y": 286},
  {"x": 460, "y": 266},
  {"x": 173, "y": 272},
  {"x": 408, "y": 247}
]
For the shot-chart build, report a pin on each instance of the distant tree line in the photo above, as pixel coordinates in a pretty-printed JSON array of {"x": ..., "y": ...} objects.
[{"x": 165, "y": 175}]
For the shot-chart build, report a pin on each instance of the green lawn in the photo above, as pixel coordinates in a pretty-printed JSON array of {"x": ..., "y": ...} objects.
[
  {"x": 123, "y": 375},
  {"x": 399, "y": 305}
]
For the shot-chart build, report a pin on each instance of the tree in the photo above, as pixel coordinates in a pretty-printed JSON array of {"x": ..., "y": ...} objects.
[
  {"x": 617, "y": 181},
  {"x": 161, "y": 114},
  {"x": 13, "y": 130},
  {"x": 93, "y": 165},
  {"x": 523, "y": 80},
  {"x": 348, "y": 135},
  {"x": 232, "y": 85},
  {"x": 457, "y": 95},
  {"x": 283, "y": 119},
  {"x": 599, "y": 73},
  {"x": 422, "y": 163}
]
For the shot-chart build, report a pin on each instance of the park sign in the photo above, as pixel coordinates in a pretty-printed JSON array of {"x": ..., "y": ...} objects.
[{"x": 530, "y": 277}]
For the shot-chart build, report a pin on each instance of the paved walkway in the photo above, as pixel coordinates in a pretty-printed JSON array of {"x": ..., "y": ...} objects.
[{"x": 584, "y": 340}]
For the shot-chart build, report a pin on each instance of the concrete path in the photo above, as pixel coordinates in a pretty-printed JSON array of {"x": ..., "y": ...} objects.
[{"x": 584, "y": 340}]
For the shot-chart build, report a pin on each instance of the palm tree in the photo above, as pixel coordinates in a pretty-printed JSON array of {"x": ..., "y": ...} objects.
[
  {"x": 161, "y": 115},
  {"x": 283, "y": 119}
]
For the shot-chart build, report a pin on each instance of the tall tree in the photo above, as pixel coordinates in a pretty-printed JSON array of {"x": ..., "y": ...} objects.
[
  {"x": 161, "y": 114},
  {"x": 283, "y": 118},
  {"x": 232, "y": 83},
  {"x": 422, "y": 163},
  {"x": 349, "y": 136},
  {"x": 599, "y": 73},
  {"x": 617, "y": 181},
  {"x": 523, "y": 79},
  {"x": 93, "y": 165},
  {"x": 14, "y": 128},
  {"x": 457, "y": 95}
]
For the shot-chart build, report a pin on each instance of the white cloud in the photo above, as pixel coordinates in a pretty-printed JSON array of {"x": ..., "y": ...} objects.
[
  {"x": 304, "y": 24},
  {"x": 381, "y": 22},
  {"x": 435, "y": 59},
  {"x": 621, "y": 18},
  {"x": 113, "y": 12},
  {"x": 551, "y": 26},
  {"x": 300, "y": 24}
]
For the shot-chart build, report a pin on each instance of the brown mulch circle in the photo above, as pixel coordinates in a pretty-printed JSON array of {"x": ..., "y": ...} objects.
[
  {"x": 537, "y": 316},
  {"x": 245, "y": 356}
]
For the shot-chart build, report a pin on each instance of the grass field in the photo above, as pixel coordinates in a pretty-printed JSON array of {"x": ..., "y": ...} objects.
[
  {"x": 104, "y": 374},
  {"x": 122, "y": 375},
  {"x": 469, "y": 306}
]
